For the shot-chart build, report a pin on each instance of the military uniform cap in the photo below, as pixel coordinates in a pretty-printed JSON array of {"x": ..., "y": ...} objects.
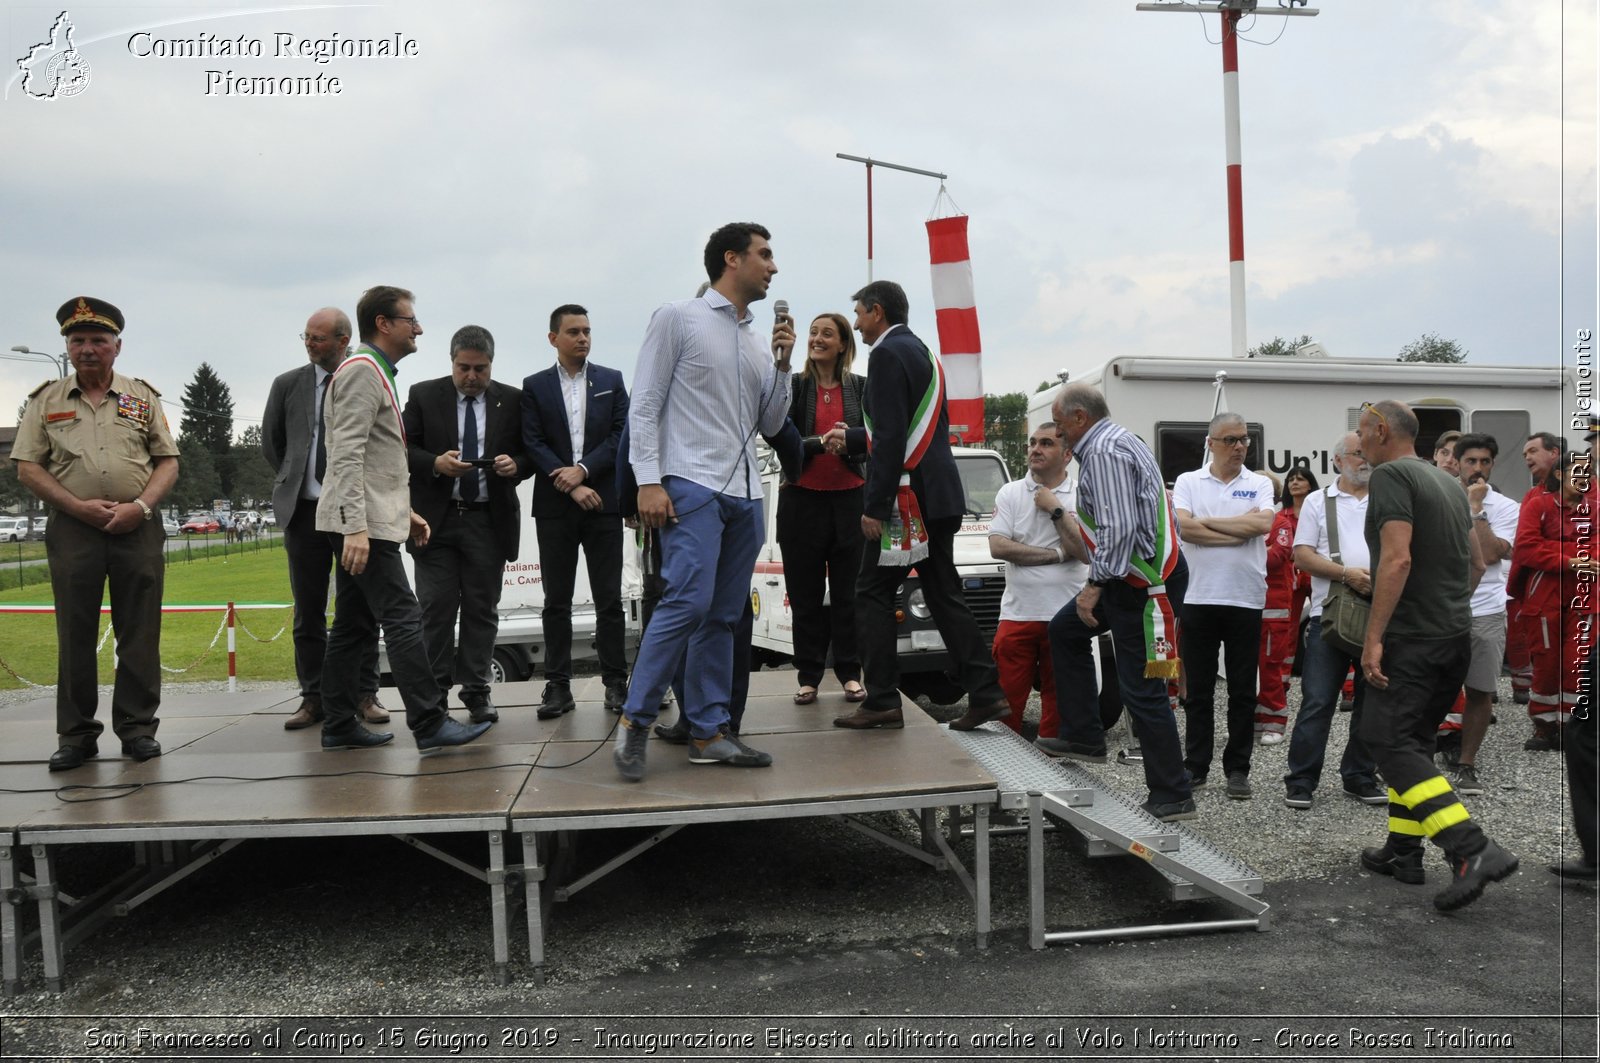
[{"x": 88, "y": 312}]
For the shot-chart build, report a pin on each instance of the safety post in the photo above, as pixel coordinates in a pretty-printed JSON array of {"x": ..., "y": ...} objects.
[{"x": 233, "y": 663}]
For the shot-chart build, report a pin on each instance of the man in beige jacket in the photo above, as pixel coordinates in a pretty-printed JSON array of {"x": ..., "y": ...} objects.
[{"x": 365, "y": 508}]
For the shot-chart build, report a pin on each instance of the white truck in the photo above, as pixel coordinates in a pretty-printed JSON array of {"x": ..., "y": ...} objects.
[
  {"x": 924, "y": 661},
  {"x": 1295, "y": 406},
  {"x": 519, "y": 645}
]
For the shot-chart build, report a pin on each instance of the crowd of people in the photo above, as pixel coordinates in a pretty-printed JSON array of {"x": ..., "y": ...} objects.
[{"x": 1164, "y": 581}]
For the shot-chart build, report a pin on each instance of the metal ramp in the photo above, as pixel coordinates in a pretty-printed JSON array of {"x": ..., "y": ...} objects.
[{"x": 1108, "y": 824}]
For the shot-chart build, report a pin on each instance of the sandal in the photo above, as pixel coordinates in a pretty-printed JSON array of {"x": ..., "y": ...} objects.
[
  {"x": 804, "y": 696},
  {"x": 858, "y": 694}
]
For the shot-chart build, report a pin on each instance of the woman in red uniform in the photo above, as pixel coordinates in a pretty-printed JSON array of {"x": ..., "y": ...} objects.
[
  {"x": 1554, "y": 580},
  {"x": 1280, "y": 620}
]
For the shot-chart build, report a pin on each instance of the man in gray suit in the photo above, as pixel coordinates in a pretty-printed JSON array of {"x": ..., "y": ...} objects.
[
  {"x": 366, "y": 510},
  {"x": 293, "y": 444}
]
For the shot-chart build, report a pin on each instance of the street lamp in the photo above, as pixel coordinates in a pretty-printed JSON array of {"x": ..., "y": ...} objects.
[{"x": 58, "y": 361}]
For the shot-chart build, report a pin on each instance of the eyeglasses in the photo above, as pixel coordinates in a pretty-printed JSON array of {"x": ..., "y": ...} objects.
[
  {"x": 1367, "y": 407},
  {"x": 1231, "y": 441},
  {"x": 312, "y": 337},
  {"x": 394, "y": 317}
]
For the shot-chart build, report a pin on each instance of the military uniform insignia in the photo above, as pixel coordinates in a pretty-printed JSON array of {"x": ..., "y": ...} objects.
[
  {"x": 133, "y": 408},
  {"x": 64, "y": 415}
]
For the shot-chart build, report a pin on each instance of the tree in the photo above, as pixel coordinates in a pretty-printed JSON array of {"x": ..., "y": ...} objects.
[
  {"x": 1005, "y": 428},
  {"x": 1277, "y": 347},
  {"x": 252, "y": 476},
  {"x": 1429, "y": 347},
  {"x": 198, "y": 483},
  {"x": 208, "y": 421}
]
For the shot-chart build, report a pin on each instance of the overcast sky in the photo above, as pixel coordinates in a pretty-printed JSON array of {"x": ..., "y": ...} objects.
[{"x": 1408, "y": 168}]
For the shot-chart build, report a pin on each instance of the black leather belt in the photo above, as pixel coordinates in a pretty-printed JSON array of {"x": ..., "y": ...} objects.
[{"x": 467, "y": 507}]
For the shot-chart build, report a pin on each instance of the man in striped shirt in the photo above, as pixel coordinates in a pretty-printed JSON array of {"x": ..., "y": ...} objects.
[
  {"x": 1122, "y": 498},
  {"x": 705, "y": 386}
]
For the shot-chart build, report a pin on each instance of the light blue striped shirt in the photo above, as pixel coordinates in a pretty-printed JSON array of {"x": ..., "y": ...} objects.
[
  {"x": 1118, "y": 488},
  {"x": 705, "y": 383}
]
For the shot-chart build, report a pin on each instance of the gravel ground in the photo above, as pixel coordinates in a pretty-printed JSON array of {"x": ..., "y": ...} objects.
[{"x": 805, "y": 915}]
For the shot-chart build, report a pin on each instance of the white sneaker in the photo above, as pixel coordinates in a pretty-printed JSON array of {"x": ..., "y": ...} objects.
[{"x": 1270, "y": 738}]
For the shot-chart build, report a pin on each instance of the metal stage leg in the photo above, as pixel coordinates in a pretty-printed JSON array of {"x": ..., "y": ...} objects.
[
  {"x": 1035, "y": 870},
  {"x": 10, "y": 958},
  {"x": 497, "y": 907},
  {"x": 980, "y": 870},
  {"x": 532, "y": 884},
  {"x": 928, "y": 820},
  {"x": 49, "y": 920}
]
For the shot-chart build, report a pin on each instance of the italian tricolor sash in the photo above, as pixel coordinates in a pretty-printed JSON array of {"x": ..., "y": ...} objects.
[
  {"x": 364, "y": 356},
  {"x": 905, "y": 536},
  {"x": 1152, "y": 573}
]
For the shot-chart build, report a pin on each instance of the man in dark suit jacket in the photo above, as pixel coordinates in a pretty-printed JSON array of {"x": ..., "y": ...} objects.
[
  {"x": 452, "y": 423},
  {"x": 572, "y": 418},
  {"x": 292, "y": 444},
  {"x": 898, "y": 376}
]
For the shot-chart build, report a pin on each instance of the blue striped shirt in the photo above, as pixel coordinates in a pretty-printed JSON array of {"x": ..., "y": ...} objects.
[
  {"x": 1118, "y": 489},
  {"x": 705, "y": 383}
]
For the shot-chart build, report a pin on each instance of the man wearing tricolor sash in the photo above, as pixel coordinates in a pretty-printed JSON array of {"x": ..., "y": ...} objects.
[
  {"x": 365, "y": 508},
  {"x": 1137, "y": 577},
  {"x": 911, "y": 510}
]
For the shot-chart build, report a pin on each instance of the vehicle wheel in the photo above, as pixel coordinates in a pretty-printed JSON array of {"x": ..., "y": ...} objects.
[{"x": 506, "y": 667}]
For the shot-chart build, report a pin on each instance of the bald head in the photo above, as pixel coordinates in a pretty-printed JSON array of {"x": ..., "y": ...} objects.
[{"x": 327, "y": 337}]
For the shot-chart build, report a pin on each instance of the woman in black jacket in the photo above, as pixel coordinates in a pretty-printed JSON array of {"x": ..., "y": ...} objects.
[{"x": 819, "y": 513}]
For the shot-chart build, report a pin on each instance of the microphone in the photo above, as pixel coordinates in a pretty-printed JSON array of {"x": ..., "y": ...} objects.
[{"x": 780, "y": 310}]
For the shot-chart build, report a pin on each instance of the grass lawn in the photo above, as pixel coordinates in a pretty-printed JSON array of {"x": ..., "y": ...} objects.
[{"x": 28, "y": 641}]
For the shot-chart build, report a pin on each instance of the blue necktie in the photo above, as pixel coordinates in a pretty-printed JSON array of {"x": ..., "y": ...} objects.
[{"x": 470, "y": 480}]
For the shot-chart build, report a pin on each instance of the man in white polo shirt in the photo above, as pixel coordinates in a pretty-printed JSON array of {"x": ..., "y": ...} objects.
[
  {"x": 1034, "y": 532},
  {"x": 1494, "y": 525},
  {"x": 1224, "y": 513},
  {"x": 1324, "y": 665}
]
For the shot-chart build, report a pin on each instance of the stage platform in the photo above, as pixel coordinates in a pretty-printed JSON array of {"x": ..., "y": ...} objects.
[{"x": 230, "y": 773}]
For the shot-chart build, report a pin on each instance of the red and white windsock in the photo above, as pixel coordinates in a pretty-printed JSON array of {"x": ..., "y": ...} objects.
[{"x": 956, "y": 308}]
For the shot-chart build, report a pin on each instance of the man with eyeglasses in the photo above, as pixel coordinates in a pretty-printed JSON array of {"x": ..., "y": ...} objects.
[
  {"x": 464, "y": 442},
  {"x": 1224, "y": 514},
  {"x": 1324, "y": 666},
  {"x": 1426, "y": 563},
  {"x": 366, "y": 510},
  {"x": 294, "y": 443}
]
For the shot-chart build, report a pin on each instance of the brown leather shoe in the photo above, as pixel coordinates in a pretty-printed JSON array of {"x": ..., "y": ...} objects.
[
  {"x": 863, "y": 719},
  {"x": 371, "y": 710},
  {"x": 309, "y": 712},
  {"x": 976, "y": 717}
]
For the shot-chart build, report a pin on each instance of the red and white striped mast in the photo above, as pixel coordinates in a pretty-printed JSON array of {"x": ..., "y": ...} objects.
[
  {"x": 869, "y": 163},
  {"x": 1231, "y": 11}
]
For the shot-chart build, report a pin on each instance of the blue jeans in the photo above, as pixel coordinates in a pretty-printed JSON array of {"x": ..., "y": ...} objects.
[
  {"x": 706, "y": 561},
  {"x": 1322, "y": 672},
  {"x": 1121, "y": 609}
]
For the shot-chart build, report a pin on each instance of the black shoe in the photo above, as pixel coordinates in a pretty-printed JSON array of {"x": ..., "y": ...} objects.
[
  {"x": 557, "y": 701},
  {"x": 1297, "y": 797},
  {"x": 357, "y": 737},
  {"x": 1368, "y": 793},
  {"x": 68, "y": 756},
  {"x": 1239, "y": 786},
  {"x": 481, "y": 709},
  {"x": 677, "y": 734},
  {"x": 1172, "y": 811},
  {"x": 1470, "y": 874},
  {"x": 616, "y": 695},
  {"x": 1577, "y": 868},
  {"x": 142, "y": 748},
  {"x": 450, "y": 733},
  {"x": 1403, "y": 865}
]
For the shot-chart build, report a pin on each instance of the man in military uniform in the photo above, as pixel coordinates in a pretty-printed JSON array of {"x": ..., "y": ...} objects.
[{"x": 95, "y": 447}]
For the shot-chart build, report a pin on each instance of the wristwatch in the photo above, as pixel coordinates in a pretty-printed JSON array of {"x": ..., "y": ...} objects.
[{"x": 1056, "y": 514}]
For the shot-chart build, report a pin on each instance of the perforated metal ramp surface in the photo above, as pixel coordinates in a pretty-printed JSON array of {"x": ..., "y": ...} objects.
[{"x": 1020, "y": 768}]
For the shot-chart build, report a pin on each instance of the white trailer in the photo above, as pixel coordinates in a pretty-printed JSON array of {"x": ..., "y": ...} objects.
[{"x": 1296, "y": 406}]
